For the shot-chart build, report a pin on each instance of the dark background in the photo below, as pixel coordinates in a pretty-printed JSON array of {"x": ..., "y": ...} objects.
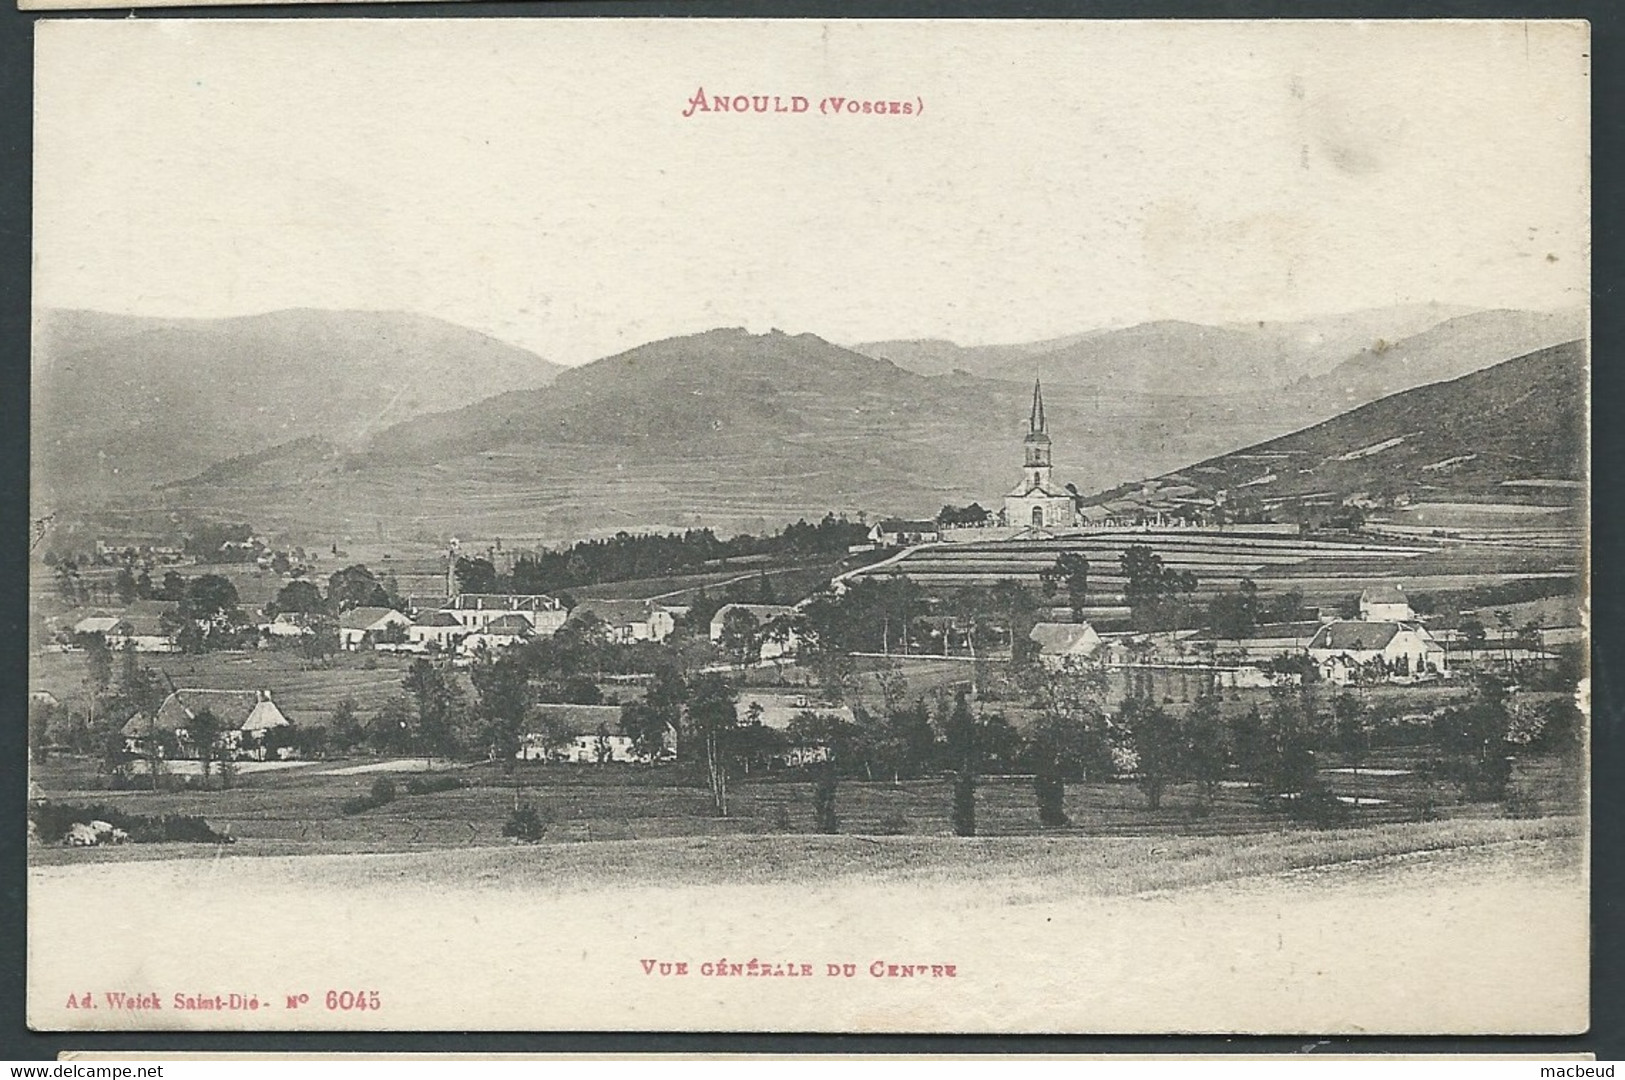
[{"x": 1607, "y": 1036}]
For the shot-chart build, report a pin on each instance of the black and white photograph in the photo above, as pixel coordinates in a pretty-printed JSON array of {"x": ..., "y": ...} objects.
[{"x": 810, "y": 526}]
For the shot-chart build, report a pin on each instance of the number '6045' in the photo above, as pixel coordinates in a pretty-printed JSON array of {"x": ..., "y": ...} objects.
[{"x": 350, "y": 1000}]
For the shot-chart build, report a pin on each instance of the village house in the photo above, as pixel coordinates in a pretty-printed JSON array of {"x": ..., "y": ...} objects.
[
  {"x": 586, "y": 735},
  {"x": 146, "y": 626},
  {"x": 1348, "y": 650},
  {"x": 438, "y": 629},
  {"x": 1385, "y": 603},
  {"x": 510, "y": 629},
  {"x": 244, "y": 715},
  {"x": 369, "y": 625},
  {"x": 774, "y": 627},
  {"x": 896, "y": 532},
  {"x": 288, "y": 624},
  {"x": 1059, "y": 642},
  {"x": 96, "y": 622},
  {"x": 474, "y": 610},
  {"x": 626, "y": 621}
]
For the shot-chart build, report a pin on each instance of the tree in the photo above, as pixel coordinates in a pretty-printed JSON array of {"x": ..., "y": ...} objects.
[
  {"x": 712, "y": 716},
  {"x": 1351, "y": 726},
  {"x": 1155, "y": 738},
  {"x": 345, "y": 731},
  {"x": 647, "y": 722},
  {"x": 125, "y": 585},
  {"x": 476, "y": 576},
  {"x": 298, "y": 597},
  {"x": 824, "y": 799},
  {"x": 354, "y": 587},
  {"x": 173, "y": 588},
  {"x": 1071, "y": 572},
  {"x": 210, "y": 598},
  {"x": 1155, "y": 593},
  {"x": 203, "y": 731},
  {"x": 739, "y": 636},
  {"x": 1205, "y": 744},
  {"x": 505, "y": 697},
  {"x": 1020, "y": 610},
  {"x": 960, "y": 736},
  {"x": 435, "y": 698}
]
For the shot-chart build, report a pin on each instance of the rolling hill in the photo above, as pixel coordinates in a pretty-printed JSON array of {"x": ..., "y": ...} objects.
[
  {"x": 1329, "y": 364},
  {"x": 1512, "y": 432},
  {"x": 725, "y": 429},
  {"x": 121, "y": 402}
]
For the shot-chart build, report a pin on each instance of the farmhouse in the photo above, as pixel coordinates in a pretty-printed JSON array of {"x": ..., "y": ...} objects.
[
  {"x": 896, "y": 532},
  {"x": 145, "y": 626},
  {"x": 244, "y": 715},
  {"x": 475, "y": 610},
  {"x": 775, "y": 632},
  {"x": 97, "y": 622},
  {"x": 776, "y": 710},
  {"x": 1385, "y": 603},
  {"x": 367, "y": 625},
  {"x": 1037, "y": 502},
  {"x": 439, "y": 629},
  {"x": 1388, "y": 650},
  {"x": 627, "y": 620},
  {"x": 1058, "y": 642},
  {"x": 510, "y": 629},
  {"x": 289, "y": 624},
  {"x": 585, "y": 734}
]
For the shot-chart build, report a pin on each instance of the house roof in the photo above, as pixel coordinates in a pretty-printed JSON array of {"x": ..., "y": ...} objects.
[
  {"x": 577, "y": 719},
  {"x": 763, "y": 613},
  {"x": 145, "y": 618},
  {"x": 239, "y": 710},
  {"x": 1352, "y": 636},
  {"x": 1383, "y": 594},
  {"x": 502, "y": 602},
  {"x": 365, "y": 618},
  {"x": 779, "y": 709},
  {"x": 96, "y": 624},
  {"x": 1053, "y": 637},
  {"x": 612, "y": 612},
  {"x": 437, "y": 618},
  {"x": 508, "y": 624}
]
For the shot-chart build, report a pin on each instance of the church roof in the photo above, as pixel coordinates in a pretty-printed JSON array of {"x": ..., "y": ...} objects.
[{"x": 1035, "y": 423}]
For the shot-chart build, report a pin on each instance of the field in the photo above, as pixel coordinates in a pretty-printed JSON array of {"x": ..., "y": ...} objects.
[
  {"x": 1326, "y": 571},
  {"x": 1463, "y": 926},
  {"x": 296, "y": 810}
]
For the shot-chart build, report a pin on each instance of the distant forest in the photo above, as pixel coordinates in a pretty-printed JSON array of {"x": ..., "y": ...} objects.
[{"x": 627, "y": 556}]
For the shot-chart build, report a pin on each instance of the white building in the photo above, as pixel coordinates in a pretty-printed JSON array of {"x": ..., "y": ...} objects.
[
  {"x": 1385, "y": 603},
  {"x": 1037, "y": 502},
  {"x": 1058, "y": 642},
  {"x": 626, "y": 621},
  {"x": 1347, "y": 649},
  {"x": 775, "y": 629},
  {"x": 475, "y": 610},
  {"x": 366, "y": 625},
  {"x": 439, "y": 629}
]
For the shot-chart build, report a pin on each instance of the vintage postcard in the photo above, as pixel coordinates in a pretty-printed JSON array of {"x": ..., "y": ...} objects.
[{"x": 852, "y": 526}]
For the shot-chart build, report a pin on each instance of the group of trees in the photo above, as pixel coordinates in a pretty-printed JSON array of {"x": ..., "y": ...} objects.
[
  {"x": 1236, "y": 614},
  {"x": 626, "y": 556},
  {"x": 1158, "y": 596}
]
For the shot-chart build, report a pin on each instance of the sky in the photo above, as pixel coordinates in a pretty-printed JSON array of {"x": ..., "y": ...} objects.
[{"x": 537, "y": 180}]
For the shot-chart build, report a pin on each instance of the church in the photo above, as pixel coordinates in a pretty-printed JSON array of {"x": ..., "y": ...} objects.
[{"x": 1038, "y": 502}]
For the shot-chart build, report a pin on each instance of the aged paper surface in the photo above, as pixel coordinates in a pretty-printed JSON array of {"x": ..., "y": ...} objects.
[{"x": 488, "y": 571}]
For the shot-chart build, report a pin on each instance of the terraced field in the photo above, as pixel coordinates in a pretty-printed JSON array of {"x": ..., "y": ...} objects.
[{"x": 1325, "y": 570}]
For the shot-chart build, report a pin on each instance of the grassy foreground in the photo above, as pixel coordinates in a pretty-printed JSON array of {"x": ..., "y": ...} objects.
[{"x": 1042, "y": 867}]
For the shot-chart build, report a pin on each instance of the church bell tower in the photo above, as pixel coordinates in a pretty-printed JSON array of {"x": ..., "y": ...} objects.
[{"x": 1037, "y": 443}]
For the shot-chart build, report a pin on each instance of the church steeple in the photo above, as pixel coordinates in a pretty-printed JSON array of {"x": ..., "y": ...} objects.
[{"x": 1037, "y": 442}]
